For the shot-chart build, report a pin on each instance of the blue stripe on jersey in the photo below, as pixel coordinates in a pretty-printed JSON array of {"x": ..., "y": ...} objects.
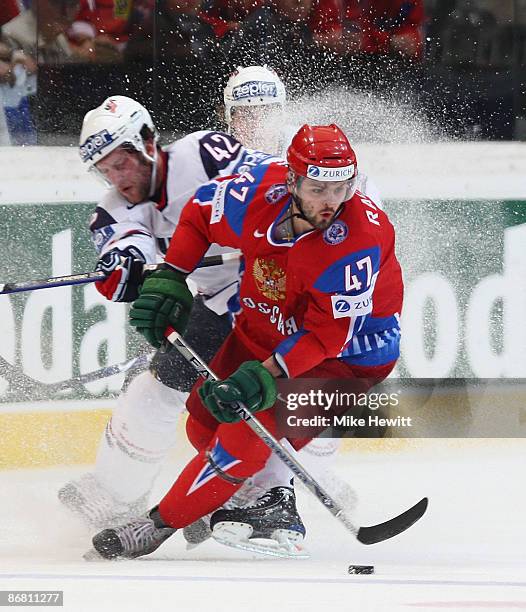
[
  {"x": 238, "y": 196},
  {"x": 101, "y": 218},
  {"x": 287, "y": 345},
  {"x": 205, "y": 194},
  {"x": 250, "y": 159},
  {"x": 351, "y": 274},
  {"x": 231, "y": 198},
  {"x": 377, "y": 324},
  {"x": 217, "y": 150},
  {"x": 373, "y": 349}
]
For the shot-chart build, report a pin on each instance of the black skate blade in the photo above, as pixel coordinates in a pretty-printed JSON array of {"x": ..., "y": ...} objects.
[{"x": 394, "y": 526}]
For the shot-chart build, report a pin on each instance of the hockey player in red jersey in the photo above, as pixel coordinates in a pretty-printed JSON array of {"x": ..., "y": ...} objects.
[{"x": 321, "y": 294}]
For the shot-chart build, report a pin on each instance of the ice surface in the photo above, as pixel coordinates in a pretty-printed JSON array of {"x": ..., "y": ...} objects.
[{"x": 468, "y": 552}]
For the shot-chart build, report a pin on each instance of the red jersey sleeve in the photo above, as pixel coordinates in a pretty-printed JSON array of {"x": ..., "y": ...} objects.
[{"x": 214, "y": 215}]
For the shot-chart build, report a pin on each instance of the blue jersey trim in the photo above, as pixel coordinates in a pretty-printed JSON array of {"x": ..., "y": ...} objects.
[
  {"x": 373, "y": 349},
  {"x": 333, "y": 278},
  {"x": 287, "y": 345},
  {"x": 235, "y": 210}
]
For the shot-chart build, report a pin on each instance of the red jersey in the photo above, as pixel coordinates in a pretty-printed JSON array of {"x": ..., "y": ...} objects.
[
  {"x": 321, "y": 295},
  {"x": 108, "y": 17},
  {"x": 379, "y": 20},
  {"x": 9, "y": 10},
  {"x": 326, "y": 16}
]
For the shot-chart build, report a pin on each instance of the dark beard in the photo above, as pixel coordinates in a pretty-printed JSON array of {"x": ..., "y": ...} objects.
[{"x": 321, "y": 225}]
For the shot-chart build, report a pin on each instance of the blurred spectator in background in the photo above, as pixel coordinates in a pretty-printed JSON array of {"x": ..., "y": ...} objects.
[
  {"x": 141, "y": 19},
  {"x": 326, "y": 22},
  {"x": 14, "y": 62},
  {"x": 40, "y": 31},
  {"x": 226, "y": 15},
  {"x": 177, "y": 31},
  {"x": 439, "y": 13},
  {"x": 276, "y": 33},
  {"x": 9, "y": 9},
  {"x": 475, "y": 32},
  {"x": 35, "y": 36},
  {"x": 19, "y": 44},
  {"x": 386, "y": 27},
  {"x": 503, "y": 10},
  {"x": 100, "y": 29}
]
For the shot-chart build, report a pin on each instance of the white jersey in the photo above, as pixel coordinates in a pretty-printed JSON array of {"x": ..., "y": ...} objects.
[{"x": 149, "y": 226}]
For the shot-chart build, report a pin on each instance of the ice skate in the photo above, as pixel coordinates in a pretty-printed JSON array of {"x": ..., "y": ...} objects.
[
  {"x": 199, "y": 531},
  {"x": 89, "y": 499},
  {"x": 270, "y": 526},
  {"x": 141, "y": 536}
]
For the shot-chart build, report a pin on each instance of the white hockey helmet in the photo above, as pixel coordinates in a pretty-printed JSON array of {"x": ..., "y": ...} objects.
[
  {"x": 117, "y": 121},
  {"x": 252, "y": 86}
]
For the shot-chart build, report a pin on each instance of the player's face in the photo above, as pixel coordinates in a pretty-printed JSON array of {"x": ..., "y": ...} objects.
[
  {"x": 128, "y": 172},
  {"x": 257, "y": 127},
  {"x": 321, "y": 199}
]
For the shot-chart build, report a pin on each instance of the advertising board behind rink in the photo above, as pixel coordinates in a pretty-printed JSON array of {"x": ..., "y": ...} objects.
[{"x": 464, "y": 269}]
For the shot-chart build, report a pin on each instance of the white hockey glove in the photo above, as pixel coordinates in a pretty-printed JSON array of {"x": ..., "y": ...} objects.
[{"x": 124, "y": 271}]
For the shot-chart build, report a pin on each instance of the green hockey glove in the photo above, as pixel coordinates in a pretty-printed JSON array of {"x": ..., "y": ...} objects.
[
  {"x": 252, "y": 384},
  {"x": 164, "y": 301}
]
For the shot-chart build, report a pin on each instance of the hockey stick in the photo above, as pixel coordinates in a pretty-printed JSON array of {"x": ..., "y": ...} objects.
[
  {"x": 91, "y": 277},
  {"x": 365, "y": 535},
  {"x": 34, "y": 389}
]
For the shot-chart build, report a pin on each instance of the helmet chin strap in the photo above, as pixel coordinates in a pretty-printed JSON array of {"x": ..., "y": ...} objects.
[
  {"x": 153, "y": 177},
  {"x": 295, "y": 199},
  {"x": 287, "y": 219},
  {"x": 297, "y": 202}
]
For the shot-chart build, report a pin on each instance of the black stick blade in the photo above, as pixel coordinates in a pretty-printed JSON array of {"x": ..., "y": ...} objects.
[{"x": 394, "y": 526}]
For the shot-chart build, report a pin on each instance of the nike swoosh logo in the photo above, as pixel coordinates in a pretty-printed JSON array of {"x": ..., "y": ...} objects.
[{"x": 258, "y": 234}]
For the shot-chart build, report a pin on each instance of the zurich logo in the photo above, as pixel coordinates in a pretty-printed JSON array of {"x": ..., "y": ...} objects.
[
  {"x": 336, "y": 233},
  {"x": 313, "y": 171},
  {"x": 342, "y": 306}
]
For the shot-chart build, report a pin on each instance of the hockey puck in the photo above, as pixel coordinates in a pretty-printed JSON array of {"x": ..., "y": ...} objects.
[{"x": 361, "y": 569}]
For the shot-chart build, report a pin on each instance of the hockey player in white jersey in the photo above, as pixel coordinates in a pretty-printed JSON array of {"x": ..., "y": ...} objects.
[
  {"x": 132, "y": 226},
  {"x": 254, "y": 108},
  {"x": 256, "y": 114}
]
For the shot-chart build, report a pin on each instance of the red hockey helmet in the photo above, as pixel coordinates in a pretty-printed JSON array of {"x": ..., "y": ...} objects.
[{"x": 322, "y": 153}]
